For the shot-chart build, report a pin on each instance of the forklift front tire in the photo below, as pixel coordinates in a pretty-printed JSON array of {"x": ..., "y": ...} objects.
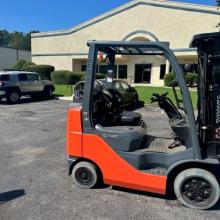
[
  {"x": 85, "y": 175},
  {"x": 197, "y": 188}
]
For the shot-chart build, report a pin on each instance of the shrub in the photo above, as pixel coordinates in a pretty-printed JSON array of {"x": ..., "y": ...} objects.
[
  {"x": 29, "y": 63},
  {"x": 19, "y": 64},
  {"x": 191, "y": 79},
  {"x": 100, "y": 76},
  {"x": 168, "y": 78},
  {"x": 43, "y": 70},
  {"x": 81, "y": 75},
  {"x": 65, "y": 77}
]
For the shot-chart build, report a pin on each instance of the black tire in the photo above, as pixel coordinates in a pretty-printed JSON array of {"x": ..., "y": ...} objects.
[
  {"x": 136, "y": 100},
  {"x": 13, "y": 97},
  {"x": 85, "y": 175},
  {"x": 48, "y": 93},
  {"x": 197, "y": 188}
]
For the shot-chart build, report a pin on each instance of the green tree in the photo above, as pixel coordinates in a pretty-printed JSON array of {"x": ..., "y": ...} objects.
[
  {"x": 17, "y": 40},
  {"x": 4, "y": 37}
]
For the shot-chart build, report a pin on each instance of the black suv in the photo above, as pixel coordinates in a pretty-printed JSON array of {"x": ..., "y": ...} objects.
[
  {"x": 14, "y": 84},
  {"x": 127, "y": 93}
]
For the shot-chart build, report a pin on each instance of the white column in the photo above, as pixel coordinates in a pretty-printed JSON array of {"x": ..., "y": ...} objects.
[{"x": 167, "y": 66}]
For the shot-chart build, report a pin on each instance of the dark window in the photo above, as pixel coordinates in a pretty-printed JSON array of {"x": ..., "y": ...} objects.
[
  {"x": 115, "y": 72},
  {"x": 83, "y": 68},
  {"x": 194, "y": 68},
  {"x": 22, "y": 77},
  {"x": 162, "y": 71},
  {"x": 170, "y": 69},
  {"x": 33, "y": 77},
  {"x": 4, "y": 77},
  {"x": 122, "y": 71},
  {"x": 103, "y": 69}
]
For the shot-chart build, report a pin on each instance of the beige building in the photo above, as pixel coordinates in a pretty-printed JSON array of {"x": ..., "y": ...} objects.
[{"x": 142, "y": 20}]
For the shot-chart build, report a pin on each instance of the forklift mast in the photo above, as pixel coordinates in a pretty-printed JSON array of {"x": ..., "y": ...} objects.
[{"x": 208, "y": 48}]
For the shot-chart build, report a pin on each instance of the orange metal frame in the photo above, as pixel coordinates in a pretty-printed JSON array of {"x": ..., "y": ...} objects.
[{"x": 115, "y": 170}]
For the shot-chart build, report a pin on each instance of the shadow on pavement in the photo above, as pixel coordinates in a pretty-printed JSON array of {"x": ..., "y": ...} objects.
[
  {"x": 26, "y": 100},
  {"x": 11, "y": 195}
]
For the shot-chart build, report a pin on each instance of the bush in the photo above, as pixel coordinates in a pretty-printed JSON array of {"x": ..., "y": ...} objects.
[
  {"x": 43, "y": 70},
  {"x": 168, "y": 78},
  {"x": 19, "y": 64},
  {"x": 29, "y": 63},
  {"x": 65, "y": 77},
  {"x": 100, "y": 76},
  {"x": 191, "y": 79}
]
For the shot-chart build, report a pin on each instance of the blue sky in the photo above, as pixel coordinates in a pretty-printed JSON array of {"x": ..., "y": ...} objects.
[{"x": 46, "y": 15}]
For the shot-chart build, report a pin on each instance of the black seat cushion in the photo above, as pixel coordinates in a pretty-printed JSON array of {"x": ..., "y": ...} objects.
[{"x": 132, "y": 118}]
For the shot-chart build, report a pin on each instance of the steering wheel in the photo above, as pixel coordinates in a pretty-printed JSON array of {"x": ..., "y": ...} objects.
[{"x": 107, "y": 98}]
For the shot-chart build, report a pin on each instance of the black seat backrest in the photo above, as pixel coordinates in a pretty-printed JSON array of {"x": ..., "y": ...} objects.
[{"x": 170, "y": 108}]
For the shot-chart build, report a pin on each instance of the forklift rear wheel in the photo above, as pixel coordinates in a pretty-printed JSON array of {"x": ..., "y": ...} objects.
[
  {"x": 85, "y": 175},
  {"x": 197, "y": 188}
]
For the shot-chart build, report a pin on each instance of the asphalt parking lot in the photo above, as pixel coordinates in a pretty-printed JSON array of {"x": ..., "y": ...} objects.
[{"x": 33, "y": 172}]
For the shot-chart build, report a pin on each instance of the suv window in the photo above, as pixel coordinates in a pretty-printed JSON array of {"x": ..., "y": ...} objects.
[
  {"x": 117, "y": 85},
  {"x": 22, "y": 77},
  {"x": 124, "y": 85},
  {"x": 33, "y": 77},
  {"x": 4, "y": 77}
]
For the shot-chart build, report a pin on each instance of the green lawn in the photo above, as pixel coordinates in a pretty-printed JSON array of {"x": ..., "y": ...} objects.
[
  {"x": 145, "y": 94},
  {"x": 63, "y": 90}
]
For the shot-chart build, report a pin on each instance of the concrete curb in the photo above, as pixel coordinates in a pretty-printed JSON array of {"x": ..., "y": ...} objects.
[{"x": 65, "y": 98}]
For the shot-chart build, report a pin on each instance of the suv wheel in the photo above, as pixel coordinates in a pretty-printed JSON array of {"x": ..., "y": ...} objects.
[
  {"x": 13, "y": 97},
  {"x": 49, "y": 93}
]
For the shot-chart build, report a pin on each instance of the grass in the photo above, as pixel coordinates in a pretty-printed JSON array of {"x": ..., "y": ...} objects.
[
  {"x": 145, "y": 94},
  {"x": 63, "y": 90}
]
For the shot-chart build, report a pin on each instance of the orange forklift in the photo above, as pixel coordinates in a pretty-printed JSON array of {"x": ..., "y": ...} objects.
[{"x": 108, "y": 144}]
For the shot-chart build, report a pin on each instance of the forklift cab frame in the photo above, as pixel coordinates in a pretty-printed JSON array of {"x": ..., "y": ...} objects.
[
  {"x": 110, "y": 153},
  {"x": 136, "y": 48}
]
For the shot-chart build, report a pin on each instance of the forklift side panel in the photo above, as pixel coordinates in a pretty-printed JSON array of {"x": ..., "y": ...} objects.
[
  {"x": 117, "y": 171},
  {"x": 74, "y": 132}
]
